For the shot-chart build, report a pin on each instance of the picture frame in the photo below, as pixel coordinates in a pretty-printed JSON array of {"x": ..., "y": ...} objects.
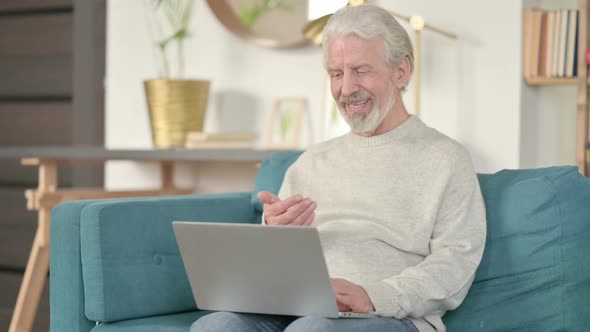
[{"x": 286, "y": 122}]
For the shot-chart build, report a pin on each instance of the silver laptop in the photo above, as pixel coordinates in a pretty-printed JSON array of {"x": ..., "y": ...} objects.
[{"x": 277, "y": 270}]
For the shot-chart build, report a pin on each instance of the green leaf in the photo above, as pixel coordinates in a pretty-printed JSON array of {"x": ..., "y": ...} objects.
[{"x": 171, "y": 19}]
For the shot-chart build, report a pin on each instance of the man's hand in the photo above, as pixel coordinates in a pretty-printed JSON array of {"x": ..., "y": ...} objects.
[
  {"x": 351, "y": 297},
  {"x": 294, "y": 210}
]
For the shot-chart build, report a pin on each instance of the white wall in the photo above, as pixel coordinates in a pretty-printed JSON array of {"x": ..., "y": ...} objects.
[
  {"x": 548, "y": 134},
  {"x": 470, "y": 87}
]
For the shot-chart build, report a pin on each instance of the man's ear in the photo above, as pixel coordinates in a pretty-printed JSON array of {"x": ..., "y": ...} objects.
[{"x": 403, "y": 73}]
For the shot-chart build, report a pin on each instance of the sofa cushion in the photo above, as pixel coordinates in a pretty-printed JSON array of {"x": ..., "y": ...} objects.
[
  {"x": 164, "y": 323},
  {"x": 271, "y": 174},
  {"x": 535, "y": 271}
]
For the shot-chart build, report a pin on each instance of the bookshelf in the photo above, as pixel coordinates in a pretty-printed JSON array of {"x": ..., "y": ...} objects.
[
  {"x": 551, "y": 80},
  {"x": 581, "y": 81}
]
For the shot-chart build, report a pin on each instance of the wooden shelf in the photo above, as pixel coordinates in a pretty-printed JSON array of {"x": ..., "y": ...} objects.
[
  {"x": 583, "y": 93},
  {"x": 552, "y": 80}
]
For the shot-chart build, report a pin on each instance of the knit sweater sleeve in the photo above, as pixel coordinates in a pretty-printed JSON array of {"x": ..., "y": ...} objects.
[{"x": 441, "y": 281}]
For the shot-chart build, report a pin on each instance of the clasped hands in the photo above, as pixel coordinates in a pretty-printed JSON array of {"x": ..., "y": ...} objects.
[{"x": 300, "y": 211}]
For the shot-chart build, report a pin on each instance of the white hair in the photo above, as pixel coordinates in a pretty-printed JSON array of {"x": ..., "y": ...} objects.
[{"x": 367, "y": 22}]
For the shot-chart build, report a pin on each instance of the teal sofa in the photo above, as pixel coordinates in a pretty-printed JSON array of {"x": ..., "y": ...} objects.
[{"x": 116, "y": 262}]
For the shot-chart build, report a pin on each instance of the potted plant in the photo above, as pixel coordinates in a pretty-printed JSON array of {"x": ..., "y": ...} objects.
[{"x": 176, "y": 105}]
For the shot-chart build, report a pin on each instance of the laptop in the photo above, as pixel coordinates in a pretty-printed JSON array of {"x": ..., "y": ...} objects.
[{"x": 277, "y": 270}]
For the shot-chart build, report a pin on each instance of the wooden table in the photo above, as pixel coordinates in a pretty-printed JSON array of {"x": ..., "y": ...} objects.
[{"x": 47, "y": 195}]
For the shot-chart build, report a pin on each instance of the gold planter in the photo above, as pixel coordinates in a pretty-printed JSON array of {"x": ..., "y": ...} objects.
[{"x": 176, "y": 107}]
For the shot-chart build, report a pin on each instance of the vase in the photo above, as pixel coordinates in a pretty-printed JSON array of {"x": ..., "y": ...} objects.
[{"x": 176, "y": 107}]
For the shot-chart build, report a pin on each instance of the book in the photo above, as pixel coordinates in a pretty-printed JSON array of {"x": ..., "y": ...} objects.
[
  {"x": 219, "y": 145},
  {"x": 576, "y": 48},
  {"x": 562, "y": 47},
  {"x": 535, "y": 42},
  {"x": 550, "y": 43},
  {"x": 200, "y": 140},
  {"x": 527, "y": 39},
  {"x": 220, "y": 137},
  {"x": 571, "y": 43},
  {"x": 543, "y": 47},
  {"x": 556, "y": 42}
]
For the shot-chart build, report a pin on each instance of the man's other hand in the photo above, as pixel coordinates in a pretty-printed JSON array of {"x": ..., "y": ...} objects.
[
  {"x": 351, "y": 297},
  {"x": 294, "y": 210}
]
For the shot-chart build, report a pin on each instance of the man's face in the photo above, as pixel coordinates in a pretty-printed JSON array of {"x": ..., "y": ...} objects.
[{"x": 361, "y": 81}]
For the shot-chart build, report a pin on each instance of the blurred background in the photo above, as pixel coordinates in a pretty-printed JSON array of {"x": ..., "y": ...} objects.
[{"x": 72, "y": 73}]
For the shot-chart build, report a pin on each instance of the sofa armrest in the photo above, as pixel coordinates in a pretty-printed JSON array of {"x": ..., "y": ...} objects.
[
  {"x": 65, "y": 282},
  {"x": 130, "y": 263}
]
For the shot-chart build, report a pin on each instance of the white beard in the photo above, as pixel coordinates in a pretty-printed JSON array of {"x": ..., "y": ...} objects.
[{"x": 365, "y": 122}]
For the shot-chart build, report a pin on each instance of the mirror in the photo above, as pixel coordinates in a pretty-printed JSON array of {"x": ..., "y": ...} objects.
[{"x": 271, "y": 23}]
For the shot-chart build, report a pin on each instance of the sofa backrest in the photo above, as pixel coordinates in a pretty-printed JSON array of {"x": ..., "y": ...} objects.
[
  {"x": 130, "y": 262},
  {"x": 534, "y": 273}
]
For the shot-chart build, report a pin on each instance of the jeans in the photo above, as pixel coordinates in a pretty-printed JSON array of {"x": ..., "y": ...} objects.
[{"x": 230, "y": 321}]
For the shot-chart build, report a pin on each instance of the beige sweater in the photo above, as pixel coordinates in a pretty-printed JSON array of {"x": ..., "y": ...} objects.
[{"x": 400, "y": 214}]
